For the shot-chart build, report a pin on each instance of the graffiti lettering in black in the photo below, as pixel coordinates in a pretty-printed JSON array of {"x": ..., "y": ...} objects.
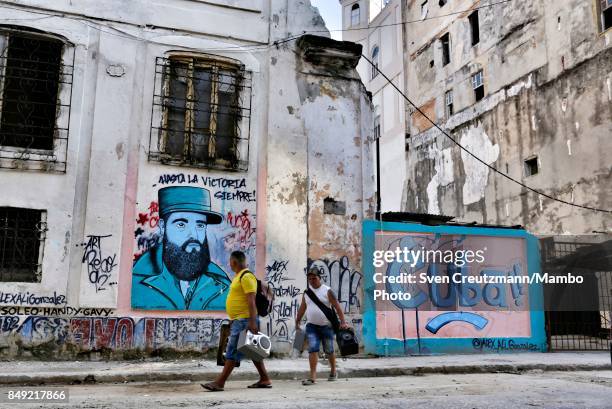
[
  {"x": 224, "y": 183},
  {"x": 342, "y": 280},
  {"x": 239, "y": 196},
  {"x": 31, "y": 299},
  {"x": 99, "y": 268},
  {"x": 51, "y": 312}
]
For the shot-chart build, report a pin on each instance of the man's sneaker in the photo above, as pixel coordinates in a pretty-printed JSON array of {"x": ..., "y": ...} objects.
[{"x": 333, "y": 377}]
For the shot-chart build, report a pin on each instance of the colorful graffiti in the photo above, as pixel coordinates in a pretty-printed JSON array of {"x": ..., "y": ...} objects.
[
  {"x": 177, "y": 272},
  {"x": 346, "y": 283},
  {"x": 441, "y": 269},
  {"x": 116, "y": 333}
]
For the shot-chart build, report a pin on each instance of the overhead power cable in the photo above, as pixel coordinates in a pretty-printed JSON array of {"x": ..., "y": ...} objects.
[{"x": 494, "y": 169}]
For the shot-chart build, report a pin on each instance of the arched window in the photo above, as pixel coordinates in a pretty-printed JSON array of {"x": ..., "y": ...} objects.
[
  {"x": 375, "y": 57},
  {"x": 355, "y": 15}
]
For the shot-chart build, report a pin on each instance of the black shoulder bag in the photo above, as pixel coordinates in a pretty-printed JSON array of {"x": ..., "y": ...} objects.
[{"x": 330, "y": 314}]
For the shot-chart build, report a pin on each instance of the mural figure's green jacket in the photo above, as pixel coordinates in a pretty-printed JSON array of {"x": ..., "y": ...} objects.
[{"x": 155, "y": 288}]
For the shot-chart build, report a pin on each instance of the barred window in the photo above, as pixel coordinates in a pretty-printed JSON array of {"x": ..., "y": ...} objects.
[
  {"x": 22, "y": 237},
  {"x": 34, "y": 100},
  {"x": 202, "y": 106}
]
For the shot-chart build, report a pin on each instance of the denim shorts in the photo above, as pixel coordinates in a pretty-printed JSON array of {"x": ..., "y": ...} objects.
[
  {"x": 236, "y": 328},
  {"x": 317, "y": 333}
]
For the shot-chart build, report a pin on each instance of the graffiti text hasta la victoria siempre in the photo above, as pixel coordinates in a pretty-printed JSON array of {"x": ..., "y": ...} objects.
[{"x": 31, "y": 299}]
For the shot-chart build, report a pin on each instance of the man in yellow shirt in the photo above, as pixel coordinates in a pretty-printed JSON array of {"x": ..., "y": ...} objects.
[{"x": 242, "y": 311}]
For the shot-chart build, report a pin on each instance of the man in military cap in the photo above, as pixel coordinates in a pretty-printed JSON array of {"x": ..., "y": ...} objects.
[{"x": 177, "y": 274}]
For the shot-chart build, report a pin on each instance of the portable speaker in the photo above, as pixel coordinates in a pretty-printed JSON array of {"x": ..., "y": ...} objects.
[
  {"x": 254, "y": 346},
  {"x": 347, "y": 342}
]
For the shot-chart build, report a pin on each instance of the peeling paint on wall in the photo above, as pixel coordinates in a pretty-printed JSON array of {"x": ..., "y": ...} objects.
[
  {"x": 443, "y": 176},
  {"x": 477, "y": 141}
]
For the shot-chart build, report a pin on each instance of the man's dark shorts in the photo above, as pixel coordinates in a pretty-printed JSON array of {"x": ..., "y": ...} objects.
[
  {"x": 236, "y": 328},
  {"x": 315, "y": 334}
]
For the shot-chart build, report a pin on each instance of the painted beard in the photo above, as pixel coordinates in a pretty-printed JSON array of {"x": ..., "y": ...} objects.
[{"x": 183, "y": 265}]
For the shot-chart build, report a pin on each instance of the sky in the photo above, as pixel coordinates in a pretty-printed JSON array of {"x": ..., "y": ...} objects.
[{"x": 331, "y": 11}]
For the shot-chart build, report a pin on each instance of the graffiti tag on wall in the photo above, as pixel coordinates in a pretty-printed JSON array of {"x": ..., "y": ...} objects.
[
  {"x": 345, "y": 283},
  {"x": 99, "y": 265}
]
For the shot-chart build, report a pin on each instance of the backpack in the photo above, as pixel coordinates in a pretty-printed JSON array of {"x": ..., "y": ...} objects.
[{"x": 264, "y": 297}]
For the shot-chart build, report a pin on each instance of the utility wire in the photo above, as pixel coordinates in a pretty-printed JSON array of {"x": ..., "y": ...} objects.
[
  {"x": 261, "y": 47},
  {"x": 287, "y": 39},
  {"x": 476, "y": 157}
]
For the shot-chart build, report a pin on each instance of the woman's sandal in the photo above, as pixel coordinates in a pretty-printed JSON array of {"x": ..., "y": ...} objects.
[{"x": 307, "y": 382}]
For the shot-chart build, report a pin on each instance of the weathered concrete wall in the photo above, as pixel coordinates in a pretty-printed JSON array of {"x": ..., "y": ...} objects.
[
  {"x": 104, "y": 214},
  {"x": 547, "y": 94}
]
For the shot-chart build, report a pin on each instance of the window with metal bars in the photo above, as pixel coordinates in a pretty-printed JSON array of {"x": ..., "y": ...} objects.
[
  {"x": 22, "y": 237},
  {"x": 35, "y": 88},
  {"x": 201, "y": 113}
]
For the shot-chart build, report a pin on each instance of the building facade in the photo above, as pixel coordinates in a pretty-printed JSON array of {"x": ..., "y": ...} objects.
[
  {"x": 140, "y": 144},
  {"x": 376, "y": 25},
  {"x": 525, "y": 86}
]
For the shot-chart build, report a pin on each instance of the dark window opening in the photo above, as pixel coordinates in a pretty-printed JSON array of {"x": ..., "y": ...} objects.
[
  {"x": 445, "y": 40},
  {"x": 531, "y": 166},
  {"x": 605, "y": 12},
  {"x": 203, "y": 106},
  {"x": 442, "y": 3},
  {"x": 431, "y": 63},
  {"x": 407, "y": 142},
  {"x": 478, "y": 86},
  {"x": 30, "y": 69},
  {"x": 22, "y": 236},
  {"x": 474, "y": 27},
  {"x": 331, "y": 206}
]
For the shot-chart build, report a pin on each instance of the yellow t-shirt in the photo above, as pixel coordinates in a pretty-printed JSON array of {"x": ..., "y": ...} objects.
[{"x": 236, "y": 303}]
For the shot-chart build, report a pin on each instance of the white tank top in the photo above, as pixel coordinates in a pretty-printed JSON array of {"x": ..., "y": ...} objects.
[{"x": 314, "y": 315}]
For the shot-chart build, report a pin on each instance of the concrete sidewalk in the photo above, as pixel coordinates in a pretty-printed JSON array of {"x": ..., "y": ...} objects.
[{"x": 75, "y": 372}]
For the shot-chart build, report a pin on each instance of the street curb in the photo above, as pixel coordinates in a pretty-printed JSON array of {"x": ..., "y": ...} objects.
[{"x": 198, "y": 376}]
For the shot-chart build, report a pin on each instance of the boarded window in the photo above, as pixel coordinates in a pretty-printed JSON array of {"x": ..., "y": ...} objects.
[
  {"x": 445, "y": 41},
  {"x": 205, "y": 111},
  {"x": 22, "y": 236},
  {"x": 474, "y": 27}
]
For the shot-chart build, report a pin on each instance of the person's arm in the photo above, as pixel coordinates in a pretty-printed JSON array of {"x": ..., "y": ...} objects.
[
  {"x": 252, "y": 313},
  {"x": 334, "y": 302},
  {"x": 300, "y": 313}
]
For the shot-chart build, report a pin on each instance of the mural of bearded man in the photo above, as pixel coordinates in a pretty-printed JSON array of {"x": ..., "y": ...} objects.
[{"x": 178, "y": 274}]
